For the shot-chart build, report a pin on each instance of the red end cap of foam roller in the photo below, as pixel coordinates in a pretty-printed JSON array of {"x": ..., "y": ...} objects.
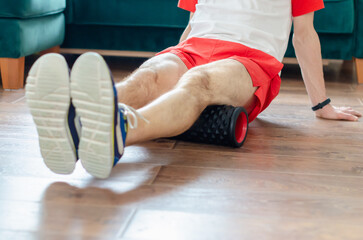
[{"x": 241, "y": 127}]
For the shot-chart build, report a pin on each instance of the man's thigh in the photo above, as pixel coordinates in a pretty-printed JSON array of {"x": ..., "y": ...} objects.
[{"x": 228, "y": 82}]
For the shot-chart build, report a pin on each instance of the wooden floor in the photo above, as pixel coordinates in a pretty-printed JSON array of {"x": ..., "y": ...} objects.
[{"x": 296, "y": 177}]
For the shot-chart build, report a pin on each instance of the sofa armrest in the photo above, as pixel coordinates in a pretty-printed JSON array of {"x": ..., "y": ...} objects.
[{"x": 25, "y": 9}]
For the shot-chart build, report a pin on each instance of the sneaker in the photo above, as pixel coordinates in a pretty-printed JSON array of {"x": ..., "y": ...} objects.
[
  {"x": 104, "y": 122},
  {"x": 48, "y": 97}
]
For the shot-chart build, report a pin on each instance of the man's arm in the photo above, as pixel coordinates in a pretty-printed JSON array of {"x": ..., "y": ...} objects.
[
  {"x": 308, "y": 52},
  {"x": 187, "y": 30}
]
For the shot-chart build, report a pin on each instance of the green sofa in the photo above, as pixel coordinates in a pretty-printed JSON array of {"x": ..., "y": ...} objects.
[
  {"x": 152, "y": 25},
  {"x": 27, "y": 27}
]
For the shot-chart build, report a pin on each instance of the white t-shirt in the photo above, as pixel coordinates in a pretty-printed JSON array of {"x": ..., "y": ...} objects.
[{"x": 261, "y": 24}]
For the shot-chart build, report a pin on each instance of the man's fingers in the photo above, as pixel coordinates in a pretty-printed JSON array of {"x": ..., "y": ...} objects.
[
  {"x": 356, "y": 113},
  {"x": 353, "y": 112},
  {"x": 347, "y": 116}
]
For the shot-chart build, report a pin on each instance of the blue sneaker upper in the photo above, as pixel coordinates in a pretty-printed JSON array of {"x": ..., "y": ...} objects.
[
  {"x": 120, "y": 134},
  {"x": 120, "y": 124}
]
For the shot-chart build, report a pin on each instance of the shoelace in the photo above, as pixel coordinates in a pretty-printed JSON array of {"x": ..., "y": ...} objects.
[{"x": 131, "y": 112}]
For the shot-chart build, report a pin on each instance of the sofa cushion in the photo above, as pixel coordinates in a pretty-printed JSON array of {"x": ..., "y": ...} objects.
[
  {"x": 30, "y": 8},
  {"x": 22, "y": 37},
  {"x": 157, "y": 13},
  {"x": 337, "y": 17}
]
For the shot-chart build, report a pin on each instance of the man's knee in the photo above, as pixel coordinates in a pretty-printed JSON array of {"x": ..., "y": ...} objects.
[
  {"x": 168, "y": 61},
  {"x": 144, "y": 80},
  {"x": 197, "y": 82},
  {"x": 162, "y": 68}
]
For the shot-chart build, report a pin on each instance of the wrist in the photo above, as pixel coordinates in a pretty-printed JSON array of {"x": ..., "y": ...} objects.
[{"x": 321, "y": 105}]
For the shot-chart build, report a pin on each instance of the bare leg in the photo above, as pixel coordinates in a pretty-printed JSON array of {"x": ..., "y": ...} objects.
[
  {"x": 221, "y": 82},
  {"x": 154, "y": 78}
]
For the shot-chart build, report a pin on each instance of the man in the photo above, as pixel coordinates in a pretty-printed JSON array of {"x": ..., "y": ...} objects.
[{"x": 230, "y": 54}]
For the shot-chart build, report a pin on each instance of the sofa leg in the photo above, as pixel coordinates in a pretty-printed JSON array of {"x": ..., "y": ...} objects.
[
  {"x": 55, "y": 49},
  {"x": 12, "y": 72},
  {"x": 359, "y": 69}
]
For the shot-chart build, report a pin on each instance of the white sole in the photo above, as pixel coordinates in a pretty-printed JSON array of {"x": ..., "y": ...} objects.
[
  {"x": 92, "y": 94},
  {"x": 48, "y": 97}
]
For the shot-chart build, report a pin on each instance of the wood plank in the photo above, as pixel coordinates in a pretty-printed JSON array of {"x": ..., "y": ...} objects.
[
  {"x": 19, "y": 235},
  {"x": 29, "y": 132},
  {"x": 11, "y": 96},
  {"x": 34, "y": 167},
  {"x": 289, "y": 111},
  {"x": 284, "y": 148},
  {"x": 322, "y": 135},
  {"x": 269, "y": 121},
  {"x": 30, "y": 147},
  {"x": 261, "y": 181},
  {"x": 18, "y": 107},
  {"x": 18, "y": 132},
  {"x": 246, "y": 161},
  {"x": 27, "y": 235},
  {"x": 358, "y": 88},
  {"x": 127, "y": 168},
  {"x": 59, "y": 218},
  {"x": 152, "y": 224},
  {"x": 267, "y": 204}
]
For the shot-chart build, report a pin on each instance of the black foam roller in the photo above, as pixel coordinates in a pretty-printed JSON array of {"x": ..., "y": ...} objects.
[{"x": 219, "y": 125}]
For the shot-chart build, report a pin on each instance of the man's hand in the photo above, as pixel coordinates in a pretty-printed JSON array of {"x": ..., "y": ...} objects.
[{"x": 338, "y": 113}]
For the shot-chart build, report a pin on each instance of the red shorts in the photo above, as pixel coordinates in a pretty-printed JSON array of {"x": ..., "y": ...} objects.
[{"x": 263, "y": 68}]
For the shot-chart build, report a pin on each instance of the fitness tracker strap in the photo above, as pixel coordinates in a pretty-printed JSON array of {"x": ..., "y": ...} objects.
[{"x": 321, "y": 105}]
